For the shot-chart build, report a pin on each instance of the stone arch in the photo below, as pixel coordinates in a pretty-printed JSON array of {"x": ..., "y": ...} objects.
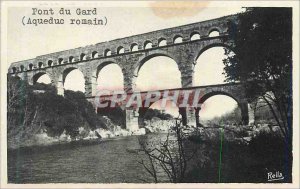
[
  {"x": 101, "y": 66},
  {"x": 67, "y": 70},
  {"x": 212, "y": 30},
  {"x": 71, "y": 59},
  {"x": 36, "y": 77},
  {"x": 153, "y": 55},
  {"x": 134, "y": 47},
  {"x": 14, "y": 69},
  {"x": 162, "y": 42},
  {"x": 40, "y": 65},
  {"x": 107, "y": 52},
  {"x": 60, "y": 61},
  {"x": 30, "y": 66},
  {"x": 82, "y": 56},
  {"x": 120, "y": 50},
  {"x": 217, "y": 44},
  {"x": 174, "y": 68},
  {"x": 95, "y": 54},
  {"x": 177, "y": 39},
  {"x": 209, "y": 94},
  {"x": 242, "y": 104},
  {"x": 148, "y": 44},
  {"x": 195, "y": 36},
  {"x": 63, "y": 75},
  {"x": 50, "y": 63},
  {"x": 22, "y": 68},
  {"x": 208, "y": 69}
]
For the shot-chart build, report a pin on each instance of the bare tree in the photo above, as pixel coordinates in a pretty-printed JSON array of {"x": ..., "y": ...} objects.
[{"x": 170, "y": 156}]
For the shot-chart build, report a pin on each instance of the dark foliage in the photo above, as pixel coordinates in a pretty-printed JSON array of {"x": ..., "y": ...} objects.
[
  {"x": 262, "y": 60},
  {"x": 156, "y": 113},
  {"x": 116, "y": 115},
  {"x": 35, "y": 107},
  {"x": 242, "y": 163}
]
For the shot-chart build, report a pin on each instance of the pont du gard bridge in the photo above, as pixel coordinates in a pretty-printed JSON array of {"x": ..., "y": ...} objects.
[{"x": 184, "y": 44}]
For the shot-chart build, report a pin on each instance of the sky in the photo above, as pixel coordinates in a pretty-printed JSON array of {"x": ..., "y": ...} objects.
[{"x": 124, "y": 19}]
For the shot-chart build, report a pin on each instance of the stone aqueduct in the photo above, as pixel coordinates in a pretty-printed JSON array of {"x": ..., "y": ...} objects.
[{"x": 184, "y": 44}]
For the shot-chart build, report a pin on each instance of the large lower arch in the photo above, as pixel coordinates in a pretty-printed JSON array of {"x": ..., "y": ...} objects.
[
  {"x": 211, "y": 45},
  {"x": 157, "y": 71},
  {"x": 41, "y": 77},
  {"x": 209, "y": 66},
  {"x": 241, "y": 104}
]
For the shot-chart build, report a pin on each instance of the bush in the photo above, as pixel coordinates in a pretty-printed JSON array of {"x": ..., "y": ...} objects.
[{"x": 35, "y": 107}]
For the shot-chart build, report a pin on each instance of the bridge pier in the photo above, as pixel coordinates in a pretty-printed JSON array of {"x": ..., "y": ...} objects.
[
  {"x": 59, "y": 87},
  {"x": 197, "y": 117},
  {"x": 90, "y": 86},
  {"x": 132, "y": 119},
  {"x": 191, "y": 117},
  {"x": 247, "y": 111},
  {"x": 251, "y": 114}
]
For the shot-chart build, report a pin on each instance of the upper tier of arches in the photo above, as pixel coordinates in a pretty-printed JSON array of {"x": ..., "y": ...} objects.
[{"x": 131, "y": 47}]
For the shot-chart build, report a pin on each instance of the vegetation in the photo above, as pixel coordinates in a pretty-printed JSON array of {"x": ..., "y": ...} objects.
[
  {"x": 198, "y": 159},
  {"x": 169, "y": 157},
  {"x": 235, "y": 162},
  {"x": 116, "y": 115},
  {"x": 233, "y": 117},
  {"x": 157, "y": 113},
  {"x": 32, "y": 108},
  {"x": 262, "y": 116},
  {"x": 262, "y": 60}
]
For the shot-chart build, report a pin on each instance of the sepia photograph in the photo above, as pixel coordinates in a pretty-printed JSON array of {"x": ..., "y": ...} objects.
[{"x": 150, "y": 92}]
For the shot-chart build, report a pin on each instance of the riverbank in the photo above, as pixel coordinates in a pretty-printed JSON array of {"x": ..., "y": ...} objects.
[
  {"x": 42, "y": 139},
  {"x": 114, "y": 160}
]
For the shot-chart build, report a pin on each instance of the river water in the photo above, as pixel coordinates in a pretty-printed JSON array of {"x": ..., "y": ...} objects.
[{"x": 109, "y": 161}]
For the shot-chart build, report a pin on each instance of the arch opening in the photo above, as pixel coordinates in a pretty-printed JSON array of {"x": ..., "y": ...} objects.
[
  {"x": 14, "y": 69},
  {"x": 60, "y": 61},
  {"x": 162, "y": 42},
  {"x": 71, "y": 59},
  {"x": 120, "y": 50},
  {"x": 30, "y": 66},
  {"x": 22, "y": 68},
  {"x": 50, "y": 63},
  {"x": 177, "y": 39},
  {"x": 214, "y": 33},
  {"x": 195, "y": 36},
  {"x": 157, "y": 72},
  {"x": 82, "y": 57},
  {"x": 110, "y": 77},
  {"x": 73, "y": 79},
  {"x": 41, "y": 77},
  {"x": 107, "y": 52},
  {"x": 219, "y": 108},
  {"x": 209, "y": 68},
  {"x": 95, "y": 54},
  {"x": 148, "y": 45},
  {"x": 41, "y": 65},
  {"x": 134, "y": 47}
]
